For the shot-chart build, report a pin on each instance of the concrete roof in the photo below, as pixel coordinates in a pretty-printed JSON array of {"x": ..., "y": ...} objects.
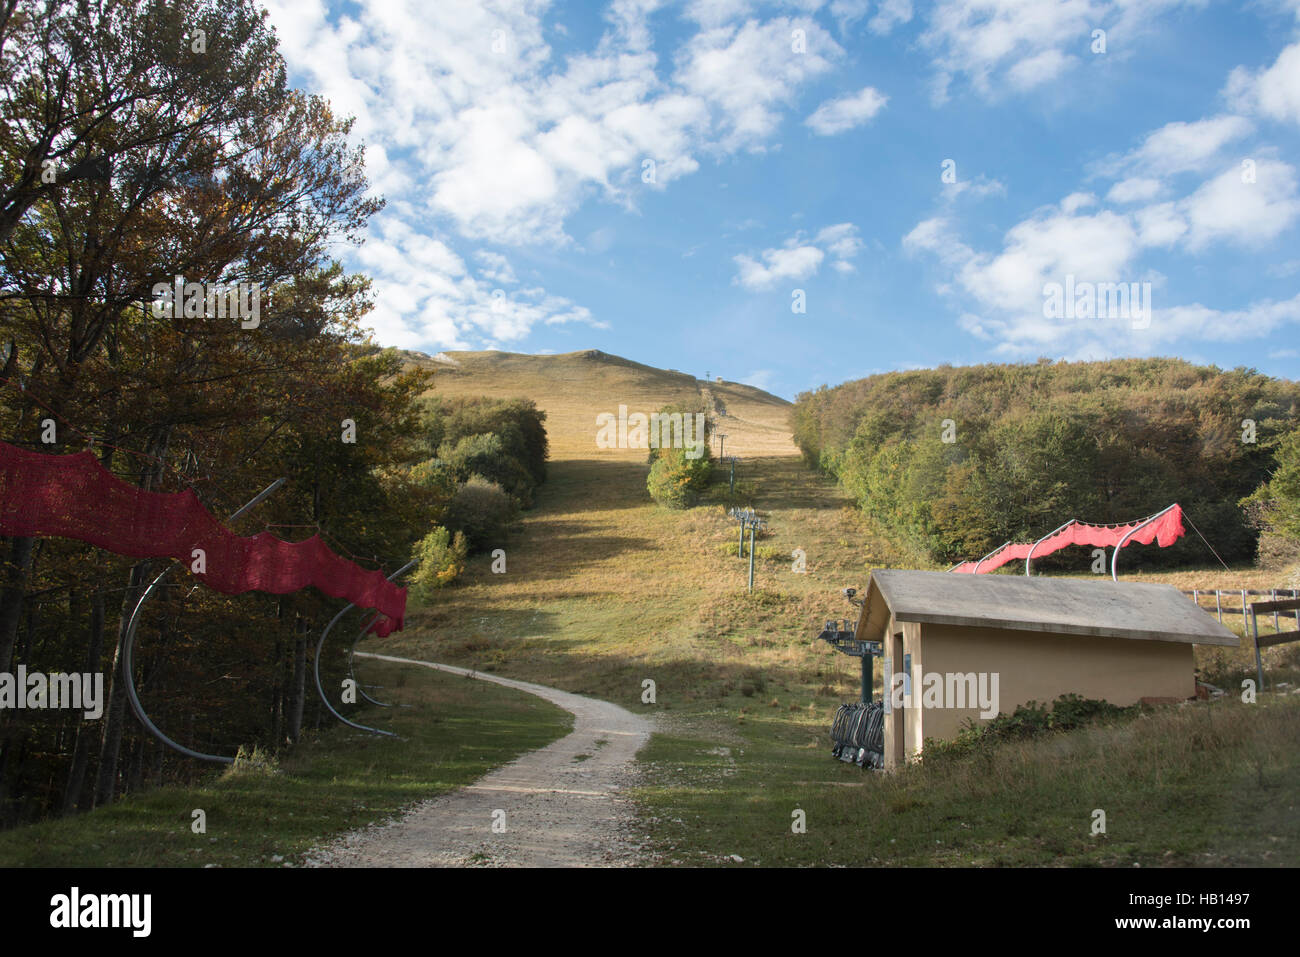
[{"x": 1058, "y": 605}]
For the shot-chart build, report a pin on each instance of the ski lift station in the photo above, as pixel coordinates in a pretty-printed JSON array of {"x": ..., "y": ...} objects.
[{"x": 971, "y": 646}]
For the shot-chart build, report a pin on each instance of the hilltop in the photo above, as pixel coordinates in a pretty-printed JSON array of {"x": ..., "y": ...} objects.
[{"x": 572, "y": 388}]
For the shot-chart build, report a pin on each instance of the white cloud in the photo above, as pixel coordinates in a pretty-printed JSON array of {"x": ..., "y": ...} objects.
[
  {"x": 1180, "y": 147},
  {"x": 1160, "y": 225},
  {"x": 794, "y": 262},
  {"x": 1275, "y": 91},
  {"x": 1039, "y": 69},
  {"x": 1025, "y": 44},
  {"x": 799, "y": 258},
  {"x": 1076, "y": 201},
  {"x": 889, "y": 14},
  {"x": 840, "y": 240},
  {"x": 979, "y": 187},
  {"x": 1001, "y": 294},
  {"x": 836, "y": 116},
  {"x": 481, "y": 135},
  {"x": 747, "y": 73},
  {"x": 1136, "y": 189},
  {"x": 1225, "y": 208},
  {"x": 496, "y": 267}
]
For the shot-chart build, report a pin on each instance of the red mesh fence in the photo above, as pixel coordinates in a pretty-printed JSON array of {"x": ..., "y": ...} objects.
[
  {"x": 1165, "y": 530},
  {"x": 74, "y": 496}
]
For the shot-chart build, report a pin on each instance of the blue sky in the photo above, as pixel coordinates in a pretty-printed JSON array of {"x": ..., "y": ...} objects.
[{"x": 658, "y": 180}]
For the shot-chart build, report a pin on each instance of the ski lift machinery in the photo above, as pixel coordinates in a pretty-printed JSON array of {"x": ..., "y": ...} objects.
[{"x": 858, "y": 730}]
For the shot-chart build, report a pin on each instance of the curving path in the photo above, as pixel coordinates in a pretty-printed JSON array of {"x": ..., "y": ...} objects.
[{"x": 561, "y": 810}]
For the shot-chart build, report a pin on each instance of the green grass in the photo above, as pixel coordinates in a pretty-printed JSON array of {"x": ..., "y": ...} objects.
[
  {"x": 1207, "y": 784},
  {"x": 455, "y": 731}
]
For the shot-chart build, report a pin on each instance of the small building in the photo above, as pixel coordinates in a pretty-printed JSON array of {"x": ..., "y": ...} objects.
[{"x": 992, "y": 642}]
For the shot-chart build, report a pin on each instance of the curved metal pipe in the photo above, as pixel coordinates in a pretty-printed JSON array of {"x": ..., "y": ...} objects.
[
  {"x": 1114, "y": 558},
  {"x": 128, "y": 650},
  {"x": 320, "y": 688},
  {"x": 976, "y": 569},
  {"x": 128, "y": 673},
  {"x": 1030, "y": 556},
  {"x": 351, "y": 654}
]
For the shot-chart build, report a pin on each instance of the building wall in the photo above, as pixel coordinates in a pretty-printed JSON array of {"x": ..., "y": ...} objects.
[{"x": 1034, "y": 666}]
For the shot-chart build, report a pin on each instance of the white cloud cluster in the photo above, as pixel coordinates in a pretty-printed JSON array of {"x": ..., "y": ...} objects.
[
  {"x": 1274, "y": 91},
  {"x": 799, "y": 258},
  {"x": 476, "y": 133},
  {"x": 1023, "y": 44},
  {"x": 836, "y": 116},
  {"x": 1002, "y": 292}
]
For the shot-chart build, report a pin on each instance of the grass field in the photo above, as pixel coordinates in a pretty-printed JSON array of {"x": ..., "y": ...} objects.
[
  {"x": 452, "y": 733},
  {"x": 604, "y": 589}
]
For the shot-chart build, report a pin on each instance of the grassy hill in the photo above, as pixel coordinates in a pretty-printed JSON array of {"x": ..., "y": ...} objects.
[{"x": 604, "y": 590}]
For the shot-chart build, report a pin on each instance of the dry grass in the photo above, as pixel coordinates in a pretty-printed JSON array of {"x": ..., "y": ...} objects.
[{"x": 604, "y": 589}]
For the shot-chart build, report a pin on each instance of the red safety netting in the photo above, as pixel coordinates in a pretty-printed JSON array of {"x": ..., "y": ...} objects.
[
  {"x": 74, "y": 496},
  {"x": 1164, "y": 529}
]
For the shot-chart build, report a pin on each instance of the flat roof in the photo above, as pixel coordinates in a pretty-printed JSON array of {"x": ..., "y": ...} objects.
[{"x": 1073, "y": 606}]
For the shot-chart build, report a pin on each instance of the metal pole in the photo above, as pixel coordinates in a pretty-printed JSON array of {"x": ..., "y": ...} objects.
[
  {"x": 320, "y": 689},
  {"x": 1114, "y": 558},
  {"x": 976, "y": 569},
  {"x": 352, "y": 653},
  {"x": 733, "y": 475},
  {"x": 1259, "y": 663},
  {"x": 128, "y": 652},
  {"x": 740, "y": 548},
  {"x": 1030, "y": 556},
  {"x": 866, "y": 678},
  {"x": 751, "y": 555}
]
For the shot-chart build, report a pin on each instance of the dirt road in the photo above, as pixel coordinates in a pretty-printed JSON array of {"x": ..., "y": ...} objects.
[{"x": 557, "y": 806}]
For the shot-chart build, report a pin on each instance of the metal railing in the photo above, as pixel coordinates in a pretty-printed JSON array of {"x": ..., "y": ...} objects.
[{"x": 1223, "y": 599}]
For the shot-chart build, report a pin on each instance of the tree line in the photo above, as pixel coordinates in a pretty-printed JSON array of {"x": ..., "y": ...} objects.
[
  {"x": 142, "y": 141},
  {"x": 955, "y": 461}
]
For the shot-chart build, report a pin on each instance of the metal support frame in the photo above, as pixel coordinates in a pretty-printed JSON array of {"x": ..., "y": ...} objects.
[
  {"x": 846, "y": 642},
  {"x": 752, "y": 526},
  {"x": 352, "y": 653},
  {"x": 1030, "y": 556},
  {"x": 320, "y": 688},
  {"x": 980, "y": 561},
  {"x": 1114, "y": 558},
  {"x": 128, "y": 650}
]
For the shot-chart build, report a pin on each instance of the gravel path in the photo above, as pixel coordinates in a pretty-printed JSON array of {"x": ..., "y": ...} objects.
[{"x": 557, "y": 809}]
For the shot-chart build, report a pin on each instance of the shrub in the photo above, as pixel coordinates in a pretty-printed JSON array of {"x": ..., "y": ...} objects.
[
  {"x": 442, "y": 560},
  {"x": 676, "y": 481},
  {"x": 482, "y": 510},
  {"x": 1068, "y": 712},
  {"x": 486, "y": 454}
]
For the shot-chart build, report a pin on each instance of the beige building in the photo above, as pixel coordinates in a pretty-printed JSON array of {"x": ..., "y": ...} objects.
[{"x": 971, "y": 646}]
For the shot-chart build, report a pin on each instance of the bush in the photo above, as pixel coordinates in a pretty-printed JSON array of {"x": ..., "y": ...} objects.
[
  {"x": 1068, "y": 712},
  {"x": 676, "y": 481},
  {"x": 482, "y": 510},
  {"x": 517, "y": 422},
  {"x": 442, "y": 560},
  {"x": 486, "y": 454}
]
